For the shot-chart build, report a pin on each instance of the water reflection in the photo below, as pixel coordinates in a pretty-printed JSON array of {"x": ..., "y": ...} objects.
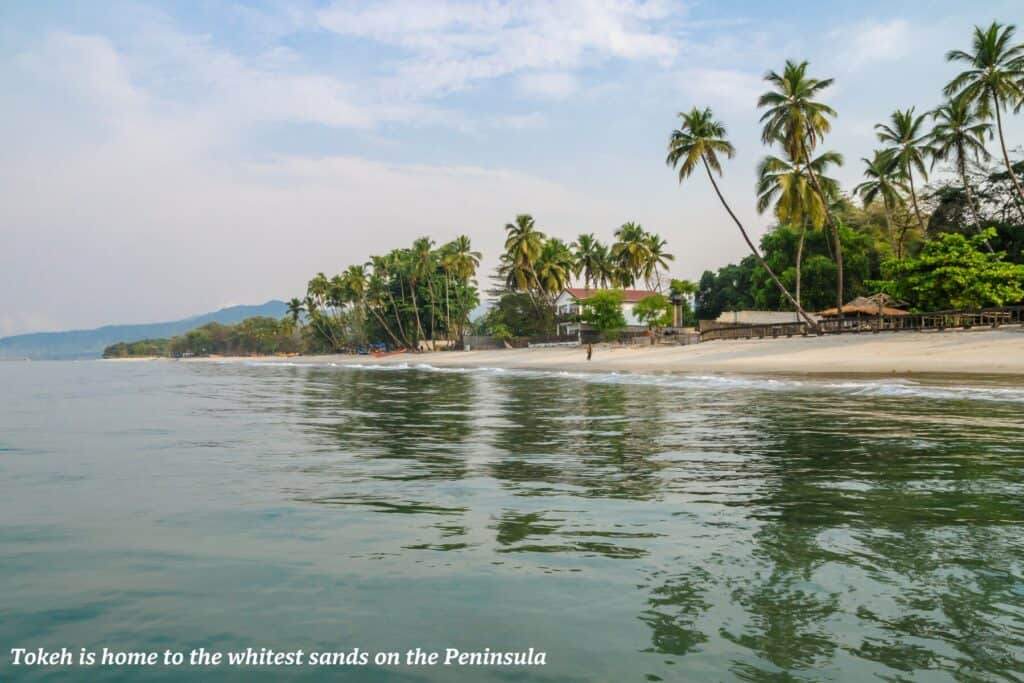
[{"x": 766, "y": 536}]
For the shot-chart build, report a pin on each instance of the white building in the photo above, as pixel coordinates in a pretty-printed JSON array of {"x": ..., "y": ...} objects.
[{"x": 567, "y": 307}]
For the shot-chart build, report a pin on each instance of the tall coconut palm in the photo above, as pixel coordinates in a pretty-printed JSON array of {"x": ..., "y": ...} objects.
[
  {"x": 787, "y": 185},
  {"x": 657, "y": 259},
  {"x": 587, "y": 254},
  {"x": 630, "y": 251},
  {"x": 419, "y": 268},
  {"x": 909, "y": 145},
  {"x": 794, "y": 116},
  {"x": 883, "y": 182},
  {"x": 994, "y": 81},
  {"x": 699, "y": 141},
  {"x": 959, "y": 133},
  {"x": 523, "y": 244},
  {"x": 460, "y": 262}
]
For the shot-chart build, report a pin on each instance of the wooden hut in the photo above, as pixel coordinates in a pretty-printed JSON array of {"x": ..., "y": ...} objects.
[{"x": 867, "y": 307}]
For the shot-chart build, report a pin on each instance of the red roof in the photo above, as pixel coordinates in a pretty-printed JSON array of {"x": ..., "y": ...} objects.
[{"x": 631, "y": 295}]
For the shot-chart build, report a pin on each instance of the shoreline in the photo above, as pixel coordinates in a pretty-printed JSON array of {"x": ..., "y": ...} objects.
[{"x": 956, "y": 352}]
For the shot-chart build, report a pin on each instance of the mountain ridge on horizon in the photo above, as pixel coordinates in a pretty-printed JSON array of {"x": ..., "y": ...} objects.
[{"x": 89, "y": 343}]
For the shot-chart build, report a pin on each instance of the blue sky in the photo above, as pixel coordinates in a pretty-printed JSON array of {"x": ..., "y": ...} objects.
[{"x": 164, "y": 159}]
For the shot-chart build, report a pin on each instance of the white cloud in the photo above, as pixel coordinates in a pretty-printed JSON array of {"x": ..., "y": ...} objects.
[
  {"x": 723, "y": 88},
  {"x": 557, "y": 84},
  {"x": 453, "y": 45},
  {"x": 875, "y": 43}
]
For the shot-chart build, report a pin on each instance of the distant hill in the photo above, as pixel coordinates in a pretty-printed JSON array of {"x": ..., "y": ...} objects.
[{"x": 90, "y": 343}]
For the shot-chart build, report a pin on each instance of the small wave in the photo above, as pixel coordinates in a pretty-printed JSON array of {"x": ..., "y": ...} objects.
[{"x": 894, "y": 388}]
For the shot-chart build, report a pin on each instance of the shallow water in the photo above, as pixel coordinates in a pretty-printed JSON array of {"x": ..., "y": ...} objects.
[{"x": 633, "y": 528}]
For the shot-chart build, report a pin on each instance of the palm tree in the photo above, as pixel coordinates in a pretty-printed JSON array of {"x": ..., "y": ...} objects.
[
  {"x": 800, "y": 122},
  {"x": 700, "y": 140},
  {"x": 459, "y": 261},
  {"x": 604, "y": 267},
  {"x": 587, "y": 254},
  {"x": 295, "y": 310},
  {"x": 908, "y": 144},
  {"x": 883, "y": 182},
  {"x": 787, "y": 183},
  {"x": 630, "y": 251},
  {"x": 960, "y": 133},
  {"x": 994, "y": 80},
  {"x": 420, "y": 267},
  {"x": 554, "y": 267},
  {"x": 523, "y": 244},
  {"x": 657, "y": 259}
]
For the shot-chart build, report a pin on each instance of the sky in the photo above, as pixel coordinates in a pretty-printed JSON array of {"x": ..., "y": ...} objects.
[{"x": 160, "y": 160}]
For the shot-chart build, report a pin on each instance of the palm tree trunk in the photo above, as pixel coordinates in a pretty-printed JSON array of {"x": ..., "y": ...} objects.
[
  {"x": 778, "y": 283},
  {"x": 888, "y": 229},
  {"x": 913, "y": 200},
  {"x": 962, "y": 164},
  {"x": 799, "y": 261},
  {"x": 1006, "y": 156},
  {"x": 831, "y": 223}
]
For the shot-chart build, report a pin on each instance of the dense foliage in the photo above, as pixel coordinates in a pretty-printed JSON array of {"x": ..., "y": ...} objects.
[
  {"x": 954, "y": 271},
  {"x": 603, "y": 312},
  {"x": 824, "y": 251},
  {"x": 252, "y": 336}
]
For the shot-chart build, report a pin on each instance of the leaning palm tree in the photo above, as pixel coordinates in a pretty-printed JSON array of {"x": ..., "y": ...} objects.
[
  {"x": 586, "y": 254},
  {"x": 793, "y": 115},
  {"x": 960, "y": 133},
  {"x": 909, "y": 146},
  {"x": 994, "y": 80},
  {"x": 883, "y": 182},
  {"x": 786, "y": 185},
  {"x": 699, "y": 141}
]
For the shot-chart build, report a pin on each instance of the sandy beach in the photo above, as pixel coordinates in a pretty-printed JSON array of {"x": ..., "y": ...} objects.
[{"x": 974, "y": 352}]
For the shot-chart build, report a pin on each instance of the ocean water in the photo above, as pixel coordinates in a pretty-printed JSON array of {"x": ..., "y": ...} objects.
[{"x": 677, "y": 528}]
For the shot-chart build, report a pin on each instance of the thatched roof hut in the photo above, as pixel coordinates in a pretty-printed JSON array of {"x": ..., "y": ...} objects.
[{"x": 877, "y": 304}]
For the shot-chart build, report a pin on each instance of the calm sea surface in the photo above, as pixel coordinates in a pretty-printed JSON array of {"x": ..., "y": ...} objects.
[{"x": 633, "y": 528}]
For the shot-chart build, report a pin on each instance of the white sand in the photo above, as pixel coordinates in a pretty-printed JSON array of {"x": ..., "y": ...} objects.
[{"x": 954, "y": 352}]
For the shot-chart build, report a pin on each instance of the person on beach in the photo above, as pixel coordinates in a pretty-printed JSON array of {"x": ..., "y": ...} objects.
[{"x": 590, "y": 351}]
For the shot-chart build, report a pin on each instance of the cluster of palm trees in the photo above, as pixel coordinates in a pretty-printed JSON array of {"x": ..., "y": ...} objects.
[
  {"x": 543, "y": 266},
  {"x": 405, "y": 296},
  {"x": 795, "y": 183}
]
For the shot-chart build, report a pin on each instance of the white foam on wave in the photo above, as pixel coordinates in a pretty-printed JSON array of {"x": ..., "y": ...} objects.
[
  {"x": 878, "y": 388},
  {"x": 887, "y": 388}
]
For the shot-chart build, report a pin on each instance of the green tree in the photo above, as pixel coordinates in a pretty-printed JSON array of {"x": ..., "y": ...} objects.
[
  {"x": 657, "y": 260},
  {"x": 699, "y": 141},
  {"x": 953, "y": 271},
  {"x": 995, "y": 80},
  {"x": 630, "y": 252},
  {"x": 959, "y": 133},
  {"x": 883, "y": 182},
  {"x": 787, "y": 183},
  {"x": 909, "y": 146},
  {"x": 655, "y": 311},
  {"x": 794, "y": 116},
  {"x": 523, "y": 245},
  {"x": 587, "y": 256},
  {"x": 553, "y": 268},
  {"x": 603, "y": 312}
]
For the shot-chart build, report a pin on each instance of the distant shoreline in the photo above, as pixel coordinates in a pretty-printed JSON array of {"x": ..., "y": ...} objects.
[{"x": 974, "y": 352}]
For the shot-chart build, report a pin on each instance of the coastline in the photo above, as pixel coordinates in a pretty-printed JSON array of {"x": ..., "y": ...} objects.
[{"x": 957, "y": 352}]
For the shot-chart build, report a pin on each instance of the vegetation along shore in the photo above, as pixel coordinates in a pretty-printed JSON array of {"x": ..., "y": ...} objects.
[{"x": 936, "y": 224}]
